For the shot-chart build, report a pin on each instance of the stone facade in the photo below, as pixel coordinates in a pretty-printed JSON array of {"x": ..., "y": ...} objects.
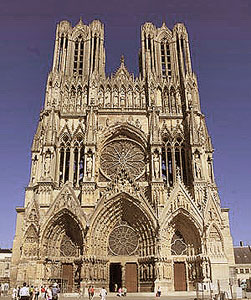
[
  {"x": 122, "y": 188},
  {"x": 5, "y": 261}
]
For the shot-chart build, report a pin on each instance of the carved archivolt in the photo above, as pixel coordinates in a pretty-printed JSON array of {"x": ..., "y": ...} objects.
[{"x": 125, "y": 155}]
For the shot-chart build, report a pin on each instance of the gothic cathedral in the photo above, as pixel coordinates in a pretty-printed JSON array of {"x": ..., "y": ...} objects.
[{"x": 122, "y": 189}]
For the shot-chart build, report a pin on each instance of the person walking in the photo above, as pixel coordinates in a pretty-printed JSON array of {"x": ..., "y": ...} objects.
[
  {"x": 49, "y": 293},
  {"x": 119, "y": 292},
  {"x": 89, "y": 292},
  {"x": 14, "y": 294},
  {"x": 55, "y": 291},
  {"x": 24, "y": 292},
  {"x": 36, "y": 292},
  {"x": 158, "y": 294},
  {"x": 103, "y": 293},
  {"x": 43, "y": 292}
]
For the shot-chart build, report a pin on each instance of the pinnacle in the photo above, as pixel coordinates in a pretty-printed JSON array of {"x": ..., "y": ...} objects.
[{"x": 122, "y": 60}]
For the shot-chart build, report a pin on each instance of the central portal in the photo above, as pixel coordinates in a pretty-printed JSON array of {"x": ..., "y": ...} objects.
[
  {"x": 128, "y": 279},
  {"x": 115, "y": 277}
]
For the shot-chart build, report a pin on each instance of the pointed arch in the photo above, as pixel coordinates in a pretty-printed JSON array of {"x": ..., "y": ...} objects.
[
  {"x": 182, "y": 234},
  {"x": 30, "y": 242},
  {"x": 215, "y": 246},
  {"x": 121, "y": 210},
  {"x": 63, "y": 235},
  {"x": 78, "y": 63}
]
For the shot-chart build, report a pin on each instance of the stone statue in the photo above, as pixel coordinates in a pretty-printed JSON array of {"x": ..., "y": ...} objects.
[
  {"x": 156, "y": 165},
  {"x": 173, "y": 103},
  {"x": 122, "y": 98},
  {"x": 197, "y": 165},
  {"x": 178, "y": 100},
  {"x": 47, "y": 165},
  {"x": 79, "y": 99},
  {"x": 89, "y": 165}
]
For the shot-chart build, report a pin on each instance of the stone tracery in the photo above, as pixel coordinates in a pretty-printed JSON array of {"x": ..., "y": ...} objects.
[{"x": 122, "y": 155}]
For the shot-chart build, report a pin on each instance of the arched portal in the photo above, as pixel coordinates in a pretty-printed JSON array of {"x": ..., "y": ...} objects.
[
  {"x": 185, "y": 248},
  {"x": 62, "y": 247},
  {"x": 123, "y": 231}
]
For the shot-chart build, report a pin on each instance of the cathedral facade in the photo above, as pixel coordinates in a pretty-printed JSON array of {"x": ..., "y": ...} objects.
[{"x": 122, "y": 189}]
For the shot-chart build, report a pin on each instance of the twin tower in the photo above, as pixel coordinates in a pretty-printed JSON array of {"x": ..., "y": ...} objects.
[{"x": 122, "y": 189}]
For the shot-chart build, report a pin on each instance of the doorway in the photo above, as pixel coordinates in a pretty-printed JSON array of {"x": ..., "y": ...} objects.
[
  {"x": 131, "y": 277},
  {"x": 67, "y": 277},
  {"x": 115, "y": 277},
  {"x": 180, "y": 276}
]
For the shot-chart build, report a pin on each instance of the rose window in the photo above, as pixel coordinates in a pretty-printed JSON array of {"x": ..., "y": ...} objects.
[
  {"x": 123, "y": 155},
  {"x": 123, "y": 240}
]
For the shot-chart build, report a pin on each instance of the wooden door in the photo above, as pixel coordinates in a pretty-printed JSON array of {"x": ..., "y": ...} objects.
[
  {"x": 131, "y": 277},
  {"x": 180, "y": 276},
  {"x": 67, "y": 276}
]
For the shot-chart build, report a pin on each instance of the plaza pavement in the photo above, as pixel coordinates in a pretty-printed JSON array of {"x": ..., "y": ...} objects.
[{"x": 136, "y": 296}]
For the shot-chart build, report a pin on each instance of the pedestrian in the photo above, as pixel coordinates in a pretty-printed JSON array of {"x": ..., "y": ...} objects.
[
  {"x": 18, "y": 292},
  {"x": 124, "y": 291},
  {"x": 14, "y": 294},
  {"x": 36, "y": 293},
  {"x": 158, "y": 294},
  {"x": 49, "y": 293},
  {"x": 89, "y": 292},
  {"x": 43, "y": 292},
  {"x": 103, "y": 293},
  {"x": 24, "y": 292},
  {"x": 31, "y": 290},
  {"x": 115, "y": 287},
  {"x": 55, "y": 291},
  {"x": 119, "y": 292},
  {"x": 92, "y": 292}
]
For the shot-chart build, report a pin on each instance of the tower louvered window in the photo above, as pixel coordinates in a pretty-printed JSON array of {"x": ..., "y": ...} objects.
[
  {"x": 64, "y": 163},
  {"x": 78, "y": 171},
  {"x": 78, "y": 56},
  {"x": 173, "y": 161},
  {"x": 63, "y": 45},
  {"x": 165, "y": 59}
]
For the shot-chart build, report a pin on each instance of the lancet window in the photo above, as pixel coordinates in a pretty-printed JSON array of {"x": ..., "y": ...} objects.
[
  {"x": 71, "y": 160},
  {"x": 78, "y": 56},
  {"x": 64, "y": 163},
  {"x": 165, "y": 59},
  {"x": 63, "y": 45},
  {"x": 94, "y": 52},
  {"x": 149, "y": 46},
  {"x": 181, "y": 51},
  {"x": 173, "y": 161},
  {"x": 78, "y": 165}
]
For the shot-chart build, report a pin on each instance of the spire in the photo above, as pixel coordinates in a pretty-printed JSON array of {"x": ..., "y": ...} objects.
[
  {"x": 122, "y": 60},
  {"x": 80, "y": 23}
]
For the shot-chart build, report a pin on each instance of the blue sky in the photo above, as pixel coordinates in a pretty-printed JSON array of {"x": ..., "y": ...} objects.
[{"x": 220, "y": 44}]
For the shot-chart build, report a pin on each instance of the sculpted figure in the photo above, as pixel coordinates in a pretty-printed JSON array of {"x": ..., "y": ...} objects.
[
  {"x": 122, "y": 98},
  {"x": 47, "y": 165},
  {"x": 79, "y": 99},
  {"x": 89, "y": 165},
  {"x": 156, "y": 165},
  {"x": 178, "y": 100},
  {"x": 173, "y": 103},
  {"x": 197, "y": 164}
]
